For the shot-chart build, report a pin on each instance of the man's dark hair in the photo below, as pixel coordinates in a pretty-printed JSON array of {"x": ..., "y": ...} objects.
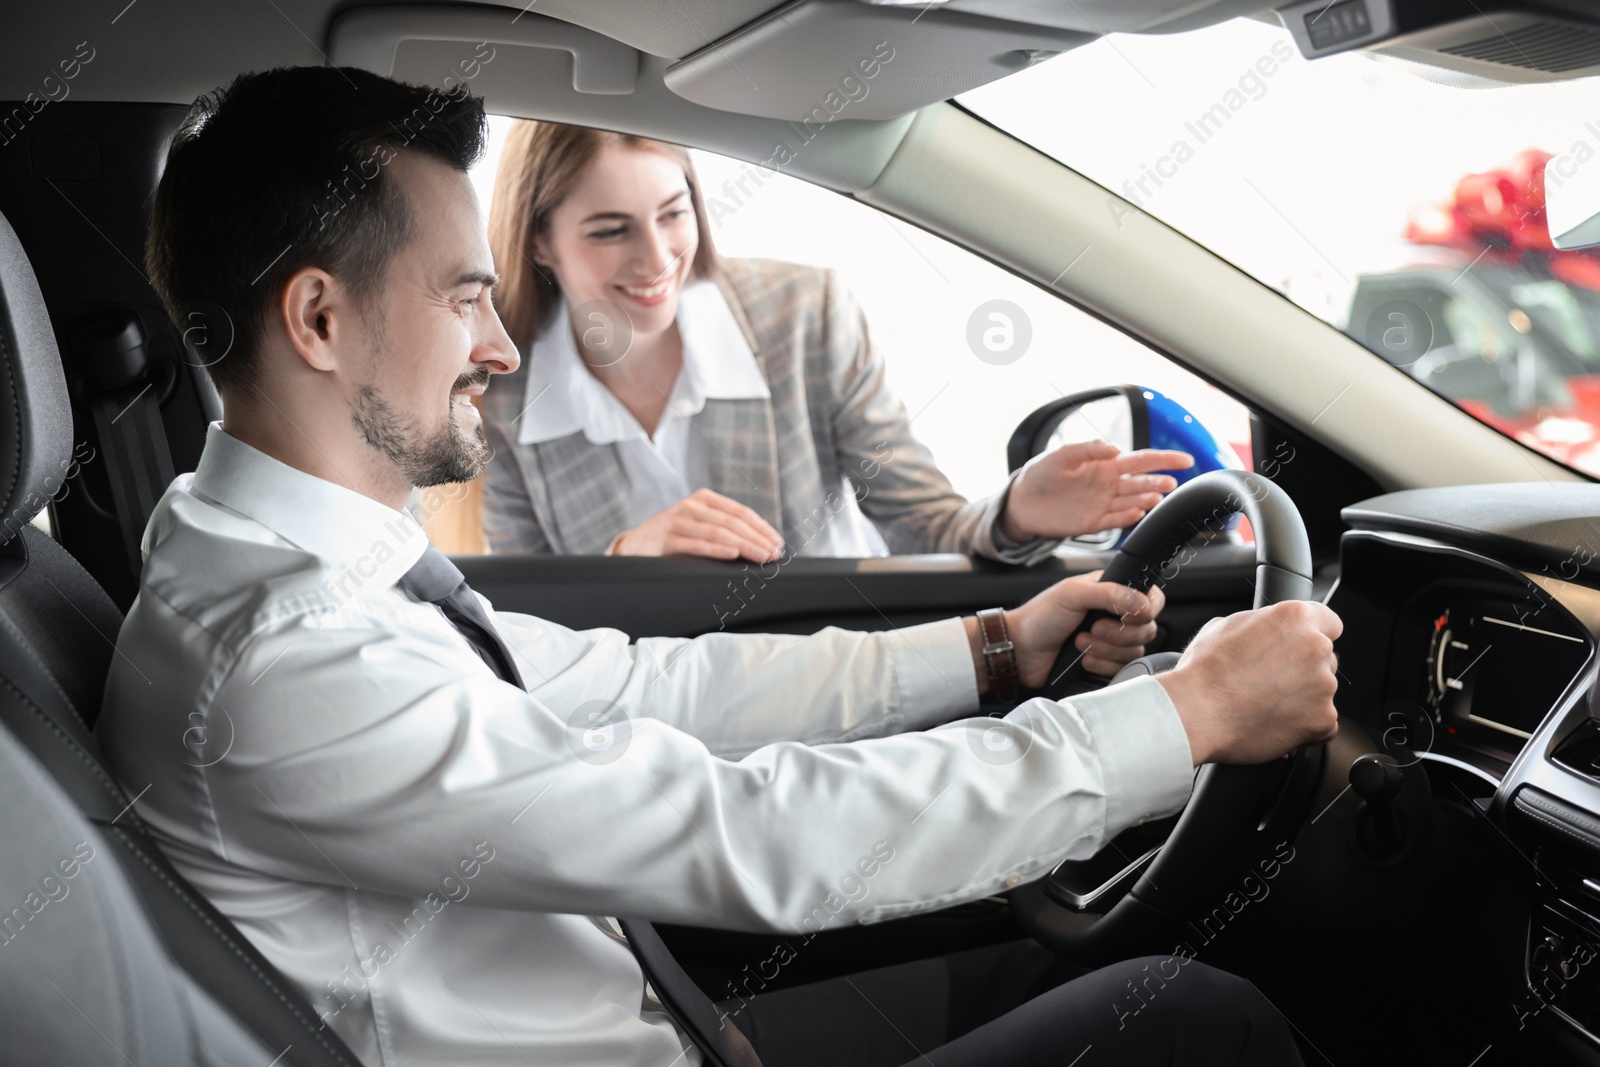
[{"x": 282, "y": 170}]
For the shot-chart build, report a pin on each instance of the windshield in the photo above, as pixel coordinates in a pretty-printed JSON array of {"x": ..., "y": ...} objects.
[{"x": 1404, "y": 211}]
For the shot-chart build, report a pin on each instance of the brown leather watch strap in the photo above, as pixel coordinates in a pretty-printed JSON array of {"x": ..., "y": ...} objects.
[{"x": 999, "y": 654}]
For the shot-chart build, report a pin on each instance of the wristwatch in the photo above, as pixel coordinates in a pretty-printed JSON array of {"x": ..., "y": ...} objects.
[{"x": 999, "y": 654}]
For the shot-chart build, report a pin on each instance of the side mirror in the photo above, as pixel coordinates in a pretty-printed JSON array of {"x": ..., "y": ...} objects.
[
  {"x": 1116, "y": 413},
  {"x": 1129, "y": 416}
]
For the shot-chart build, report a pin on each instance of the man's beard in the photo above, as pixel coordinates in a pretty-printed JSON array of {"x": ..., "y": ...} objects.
[{"x": 439, "y": 458}]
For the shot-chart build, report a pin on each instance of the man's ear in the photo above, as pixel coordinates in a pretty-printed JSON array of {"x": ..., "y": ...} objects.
[{"x": 319, "y": 317}]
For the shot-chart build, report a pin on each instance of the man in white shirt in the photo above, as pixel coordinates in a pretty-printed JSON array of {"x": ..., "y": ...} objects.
[{"x": 415, "y": 805}]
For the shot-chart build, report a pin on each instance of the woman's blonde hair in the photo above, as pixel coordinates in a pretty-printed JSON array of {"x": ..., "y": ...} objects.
[{"x": 539, "y": 165}]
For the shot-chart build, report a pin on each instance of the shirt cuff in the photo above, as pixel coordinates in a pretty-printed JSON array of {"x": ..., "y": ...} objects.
[
  {"x": 1145, "y": 760},
  {"x": 934, "y": 677}
]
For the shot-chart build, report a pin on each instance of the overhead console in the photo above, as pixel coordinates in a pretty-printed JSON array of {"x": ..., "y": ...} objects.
[{"x": 1510, "y": 41}]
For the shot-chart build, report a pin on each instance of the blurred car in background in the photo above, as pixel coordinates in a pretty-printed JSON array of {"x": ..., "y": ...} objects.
[{"x": 1489, "y": 314}]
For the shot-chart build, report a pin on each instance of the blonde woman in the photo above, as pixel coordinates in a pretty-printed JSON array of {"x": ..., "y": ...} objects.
[{"x": 672, "y": 402}]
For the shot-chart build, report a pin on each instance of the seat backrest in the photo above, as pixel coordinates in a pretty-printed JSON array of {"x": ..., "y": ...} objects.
[
  {"x": 85, "y": 977},
  {"x": 57, "y": 635}
]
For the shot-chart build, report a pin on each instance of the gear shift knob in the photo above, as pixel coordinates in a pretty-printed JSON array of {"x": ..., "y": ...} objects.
[
  {"x": 1375, "y": 779},
  {"x": 1384, "y": 830}
]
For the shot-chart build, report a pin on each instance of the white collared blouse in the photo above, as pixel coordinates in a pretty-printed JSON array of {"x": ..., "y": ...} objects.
[{"x": 562, "y": 397}]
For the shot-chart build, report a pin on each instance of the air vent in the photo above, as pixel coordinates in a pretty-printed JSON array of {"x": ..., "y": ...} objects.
[
  {"x": 1554, "y": 47},
  {"x": 1503, "y": 47}
]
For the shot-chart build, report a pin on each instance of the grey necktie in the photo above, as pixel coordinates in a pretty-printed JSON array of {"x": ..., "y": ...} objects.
[{"x": 435, "y": 579}]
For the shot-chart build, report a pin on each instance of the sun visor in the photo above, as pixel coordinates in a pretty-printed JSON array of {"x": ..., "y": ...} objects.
[{"x": 821, "y": 60}]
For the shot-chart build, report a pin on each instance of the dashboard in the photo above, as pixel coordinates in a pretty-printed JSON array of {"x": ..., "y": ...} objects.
[
  {"x": 1477, "y": 665},
  {"x": 1472, "y": 619},
  {"x": 1450, "y": 652}
]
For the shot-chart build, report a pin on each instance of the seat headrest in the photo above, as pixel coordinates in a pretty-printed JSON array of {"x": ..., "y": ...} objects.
[{"x": 35, "y": 415}]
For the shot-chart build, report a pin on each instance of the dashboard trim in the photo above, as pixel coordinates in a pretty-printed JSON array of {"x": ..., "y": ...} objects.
[{"x": 1460, "y": 765}]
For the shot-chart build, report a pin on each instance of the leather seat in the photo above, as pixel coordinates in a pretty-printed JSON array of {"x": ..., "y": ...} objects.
[
  {"x": 124, "y": 947},
  {"x": 86, "y": 980}
]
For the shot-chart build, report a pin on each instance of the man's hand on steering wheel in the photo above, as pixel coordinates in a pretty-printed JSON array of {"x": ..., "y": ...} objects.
[
  {"x": 1040, "y": 627},
  {"x": 1254, "y": 684},
  {"x": 1250, "y": 686}
]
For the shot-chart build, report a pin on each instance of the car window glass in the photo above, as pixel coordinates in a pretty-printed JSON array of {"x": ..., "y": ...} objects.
[
  {"x": 1555, "y": 307},
  {"x": 1327, "y": 179},
  {"x": 969, "y": 348},
  {"x": 1475, "y": 332}
]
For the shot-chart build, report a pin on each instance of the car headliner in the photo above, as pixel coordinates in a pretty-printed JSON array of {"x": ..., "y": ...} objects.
[{"x": 173, "y": 50}]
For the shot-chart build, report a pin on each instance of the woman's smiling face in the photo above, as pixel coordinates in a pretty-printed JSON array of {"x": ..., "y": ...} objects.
[{"x": 626, "y": 236}]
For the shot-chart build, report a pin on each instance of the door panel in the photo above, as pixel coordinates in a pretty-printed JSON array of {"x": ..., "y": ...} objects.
[{"x": 686, "y": 597}]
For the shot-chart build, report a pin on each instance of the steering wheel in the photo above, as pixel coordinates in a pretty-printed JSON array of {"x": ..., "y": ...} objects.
[{"x": 1236, "y": 814}]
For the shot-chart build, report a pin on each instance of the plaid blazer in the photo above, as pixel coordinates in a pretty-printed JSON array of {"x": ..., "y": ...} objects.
[{"x": 830, "y": 428}]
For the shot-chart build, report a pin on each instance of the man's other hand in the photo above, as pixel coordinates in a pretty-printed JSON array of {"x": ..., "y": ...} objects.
[{"x": 1041, "y": 626}]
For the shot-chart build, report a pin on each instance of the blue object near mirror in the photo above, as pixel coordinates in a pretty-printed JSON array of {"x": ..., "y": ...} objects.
[
  {"x": 1129, "y": 416},
  {"x": 1172, "y": 426}
]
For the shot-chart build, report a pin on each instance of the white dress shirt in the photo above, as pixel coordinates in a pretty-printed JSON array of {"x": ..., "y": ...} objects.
[
  {"x": 563, "y": 397},
  {"x": 417, "y": 844}
]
